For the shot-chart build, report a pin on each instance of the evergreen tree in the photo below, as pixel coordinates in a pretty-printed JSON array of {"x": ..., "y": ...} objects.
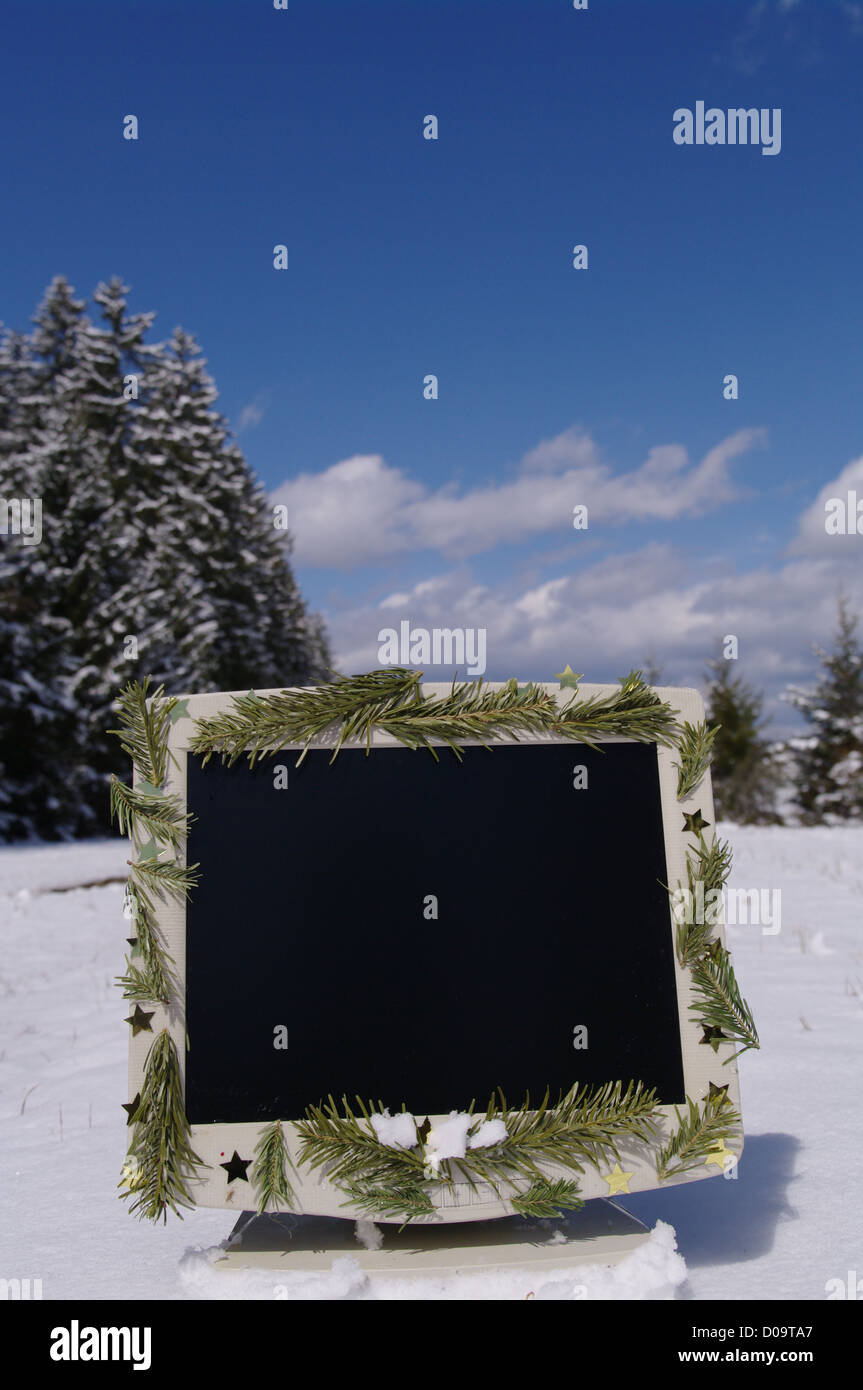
[
  {"x": 153, "y": 530},
  {"x": 743, "y": 771},
  {"x": 221, "y": 598},
  {"x": 37, "y": 716},
  {"x": 829, "y": 762}
]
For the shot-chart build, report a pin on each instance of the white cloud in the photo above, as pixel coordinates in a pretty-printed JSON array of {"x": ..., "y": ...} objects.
[
  {"x": 362, "y": 510},
  {"x": 812, "y": 538},
  {"x": 610, "y": 615}
]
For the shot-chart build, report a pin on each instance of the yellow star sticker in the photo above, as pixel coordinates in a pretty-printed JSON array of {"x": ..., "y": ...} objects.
[
  {"x": 720, "y": 1155},
  {"x": 567, "y": 677},
  {"x": 617, "y": 1180},
  {"x": 132, "y": 1175}
]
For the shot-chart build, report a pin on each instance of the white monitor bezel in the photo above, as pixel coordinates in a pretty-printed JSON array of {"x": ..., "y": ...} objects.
[{"x": 313, "y": 1194}]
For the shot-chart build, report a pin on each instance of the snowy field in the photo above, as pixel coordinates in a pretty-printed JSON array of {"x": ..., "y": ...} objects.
[{"x": 791, "y": 1221}]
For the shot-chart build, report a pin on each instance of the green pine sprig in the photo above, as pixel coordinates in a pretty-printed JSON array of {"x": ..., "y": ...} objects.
[
  {"x": 634, "y": 712},
  {"x": 695, "y": 748},
  {"x": 165, "y": 877},
  {"x": 391, "y": 701},
  {"x": 470, "y": 712},
  {"x": 145, "y": 722},
  {"x": 698, "y": 1133},
  {"x": 141, "y": 985},
  {"x": 405, "y": 1201},
  {"x": 262, "y": 723},
  {"x": 160, "y": 1160},
  {"x": 150, "y": 815},
  {"x": 155, "y": 981},
  {"x": 709, "y": 865},
  {"x": 270, "y": 1169},
  {"x": 548, "y": 1199},
  {"x": 721, "y": 1005},
  {"x": 584, "y": 1127}
]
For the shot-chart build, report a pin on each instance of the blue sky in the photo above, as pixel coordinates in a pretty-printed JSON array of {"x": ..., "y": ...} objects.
[{"x": 453, "y": 257}]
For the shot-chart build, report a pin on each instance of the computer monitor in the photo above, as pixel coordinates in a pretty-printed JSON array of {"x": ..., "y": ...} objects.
[{"x": 416, "y": 936}]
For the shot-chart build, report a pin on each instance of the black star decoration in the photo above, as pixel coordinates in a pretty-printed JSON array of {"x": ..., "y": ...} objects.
[
  {"x": 236, "y": 1168},
  {"x": 718, "y": 1094},
  {"x": 712, "y": 1036},
  {"x": 132, "y": 1107},
  {"x": 694, "y": 822},
  {"x": 140, "y": 1021}
]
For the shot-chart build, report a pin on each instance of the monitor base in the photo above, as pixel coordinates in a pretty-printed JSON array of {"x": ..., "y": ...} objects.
[{"x": 601, "y": 1233}]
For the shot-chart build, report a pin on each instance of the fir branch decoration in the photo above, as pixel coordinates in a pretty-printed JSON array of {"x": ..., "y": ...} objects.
[
  {"x": 709, "y": 866},
  {"x": 391, "y": 700},
  {"x": 177, "y": 880},
  {"x": 695, "y": 748},
  {"x": 141, "y": 985},
  {"x": 406, "y": 1201},
  {"x": 582, "y": 1128},
  {"x": 262, "y": 723},
  {"x": 156, "y": 975},
  {"x": 721, "y": 1004},
  {"x": 548, "y": 1199},
  {"x": 712, "y": 863},
  {"x": 635, "y": 712},
  {"x": 160, "y": 1155},
  {"x": 697, "y": 1134},
  {"x": 270, "y": 1169},
  {"x": 691, "y": 940},
  {"x": 147, "y": 814},
  {"x": 145, "y": 726}
]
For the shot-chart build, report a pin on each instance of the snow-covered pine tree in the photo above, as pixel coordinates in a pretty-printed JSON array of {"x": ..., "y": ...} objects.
[
  {"x": 829, "y": 762},
  {"x": 39, "y": 783},
  {"x": 153, "y": 529},
  {"x": 743, "y": 771},
  {"x": 224, "y": 609}
]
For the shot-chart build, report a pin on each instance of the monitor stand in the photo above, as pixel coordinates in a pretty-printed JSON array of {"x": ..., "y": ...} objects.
[{"x": 601, "y": 1233}]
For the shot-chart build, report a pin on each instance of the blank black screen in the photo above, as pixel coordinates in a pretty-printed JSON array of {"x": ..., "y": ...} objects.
[{"x": 309, "y": 914}]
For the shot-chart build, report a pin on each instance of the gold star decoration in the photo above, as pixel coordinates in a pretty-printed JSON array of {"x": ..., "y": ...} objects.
[
  {"x": 617, "y": 1180},
  {"x": 712, "y": 1037},
  {"x": 140, "y": 1021},
  {"x": 567, "y": 677},
  {"x": 132, "y": 1175},
  {"x": 718, "y": 1095},
  {"x": 721, "y": 1156},
  {"x": 694, "y": 822},
  {"x": 132, "y": 1107},
  {"x": 716, "y": 950},
  {"x": 424, "y": 1130}
]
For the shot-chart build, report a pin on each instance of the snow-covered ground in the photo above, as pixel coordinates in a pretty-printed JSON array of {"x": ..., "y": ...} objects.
[{"x": 789, "y": 1222}]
